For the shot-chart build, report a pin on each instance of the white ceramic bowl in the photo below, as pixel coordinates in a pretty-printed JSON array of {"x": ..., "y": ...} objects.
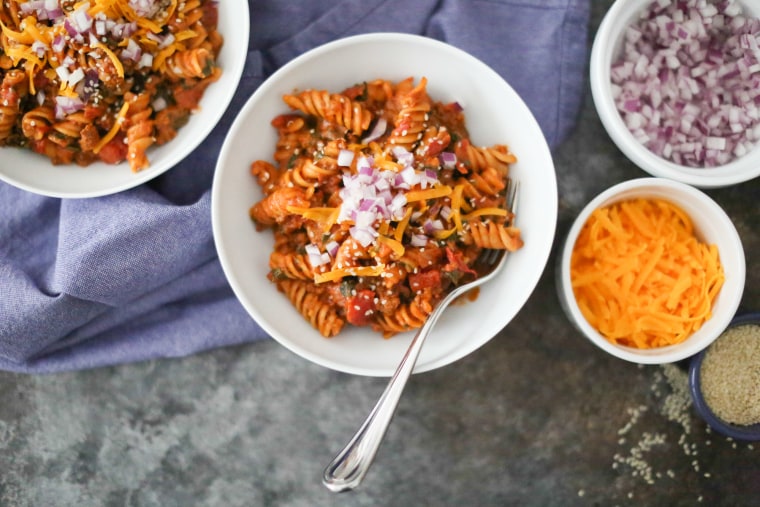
[
  {"x": 35, "y": 173},
  {"x": 494, "y": 112},
  {"x": 711, "y": 225},
  {"x": 606, "y": 48}
]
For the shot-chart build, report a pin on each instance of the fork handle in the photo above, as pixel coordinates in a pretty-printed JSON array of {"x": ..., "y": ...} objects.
[{"x": 349, "y": 466}]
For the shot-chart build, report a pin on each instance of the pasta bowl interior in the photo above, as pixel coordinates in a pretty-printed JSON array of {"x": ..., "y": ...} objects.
[
  {"x": 30, "y": 171},
  {"x": 494, "y": 114},
  {"x": 711, "y": 226}
]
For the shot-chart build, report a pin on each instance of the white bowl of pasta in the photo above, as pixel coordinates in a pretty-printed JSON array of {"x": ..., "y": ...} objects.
[
  {"x": 97, "y": 101},
  {"x": 347, "y": 198}
]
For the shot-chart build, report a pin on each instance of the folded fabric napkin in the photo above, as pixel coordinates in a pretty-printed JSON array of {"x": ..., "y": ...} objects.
[{"x": 135, "y": 276}]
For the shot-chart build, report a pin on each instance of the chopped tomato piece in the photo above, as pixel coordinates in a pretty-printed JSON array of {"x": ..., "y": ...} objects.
[
  {"x": 114, "y": 151},
  {"x": 359, "y": 308},
  {"x": 424, "y": 280},
  {"x": 457, "y": 264}
]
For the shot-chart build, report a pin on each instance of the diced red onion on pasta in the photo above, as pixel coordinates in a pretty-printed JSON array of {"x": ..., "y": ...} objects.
[
  {"x": 432, "y": 226},
  {"x": 132, "y": 51},
  {"x": 100, "y": 27},
  {"x": 345, "y": 157},
  {"x": 428, "y": 178},
  {"x": 76, "y": 76},
  {"x": 145, "y": 8},
  {"x": 58, "y": 44},
  {"x": 688, "y": 83},
  {"x": 403, "y": 156},
  {"x": 378, "y": 130},
  {"x": 364, "y": 235},
  {"x": 332, "y": 248},
  {"x": 80, "y": 19},
  {"x": 409, "y": 176},
  {"x": 39, "y": 48},
  {"x": 146, "y": 60},
  {"x": 418, "y": 240},
  {"x": 370, "y": 195},
  {"x": 314, "y": 255},
  {"x": 448, "y": 159},
  {"x": 67, "y": 105},
  {"x": 44, "y": 10}
]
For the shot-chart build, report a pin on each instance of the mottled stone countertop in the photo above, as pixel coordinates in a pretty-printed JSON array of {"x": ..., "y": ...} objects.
[{"x": 536, "y": 417}]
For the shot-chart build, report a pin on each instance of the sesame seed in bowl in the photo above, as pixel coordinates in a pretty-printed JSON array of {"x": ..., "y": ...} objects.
[{"x": 724, "y": 380}]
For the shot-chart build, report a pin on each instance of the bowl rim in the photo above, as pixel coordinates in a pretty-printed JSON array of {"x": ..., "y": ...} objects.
[
  {"x": 606, "y": 43},
  {"x": 749, "y": 432},
  {"x": 544, "y": 239},
  {"x": 662, "y": 355}
]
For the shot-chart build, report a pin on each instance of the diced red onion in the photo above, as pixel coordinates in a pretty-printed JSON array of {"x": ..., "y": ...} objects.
[
  {"x": 76, "y": 77},
  {"x": 63, "y": 73},
  {"x": 418, "y": 240},
  {"x": 314, "y": 255},
  {"x": 132, "y": 51},
  {"x": 39, "y": 48},
  {"x": 431, "y": 226},
  {"x": 428, "y": 177},
  {"x": 365, "y": 236},
  {"x": 58, "y": 44},
  {"x": 345, "y": 157},
  {"x": 145, "y": 8},
  {"x": 688, "y": 82},
  {"x": 410, "y": 176},
  {"x": 448, "y": 159},
  {"x": 81, "y": 21},
  {"x": 66, "y": 105},
  {"x": 403, "y": 156},
  {"x": 146, "y": 60},
  {"x": 378, "y": 130},
  {"x": 332, "y": 248},
  {"x": 396, "y": 206}
]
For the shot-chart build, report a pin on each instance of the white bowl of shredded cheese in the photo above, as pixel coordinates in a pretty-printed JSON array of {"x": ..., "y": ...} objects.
[
  {"x": 676, "y": 87},
  {"x": 649, "y": 268}
]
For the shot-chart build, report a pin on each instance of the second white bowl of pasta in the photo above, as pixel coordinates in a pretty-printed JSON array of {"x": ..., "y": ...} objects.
[
  {"x": 110, "y": 104},
  {"x": 348, "y": 198}
]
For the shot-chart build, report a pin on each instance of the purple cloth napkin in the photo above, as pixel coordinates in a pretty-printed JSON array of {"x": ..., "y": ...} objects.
[{"x": 134, "y": 276}]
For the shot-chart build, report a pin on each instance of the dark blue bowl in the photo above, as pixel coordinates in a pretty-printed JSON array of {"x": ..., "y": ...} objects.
[{"x": 738, "y": 432}]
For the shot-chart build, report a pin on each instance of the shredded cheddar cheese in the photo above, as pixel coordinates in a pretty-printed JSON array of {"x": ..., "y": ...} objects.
[
  {"x": 640, "y": 275},
  {"x": 432, "y": 193},
  {"x": 114, "y": 129},
  {"x": 325, "y": 216},
  {"x": 485, "y": 211},
  {"x": 338, "y": 273},
  {"x": 395, "y": 245}
]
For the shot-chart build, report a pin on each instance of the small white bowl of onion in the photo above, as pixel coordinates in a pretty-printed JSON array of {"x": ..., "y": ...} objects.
[{"x": 676, "y": 85}]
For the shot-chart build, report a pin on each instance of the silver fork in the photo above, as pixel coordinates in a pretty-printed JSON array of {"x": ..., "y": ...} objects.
[{"x": 349, "y": 466}]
